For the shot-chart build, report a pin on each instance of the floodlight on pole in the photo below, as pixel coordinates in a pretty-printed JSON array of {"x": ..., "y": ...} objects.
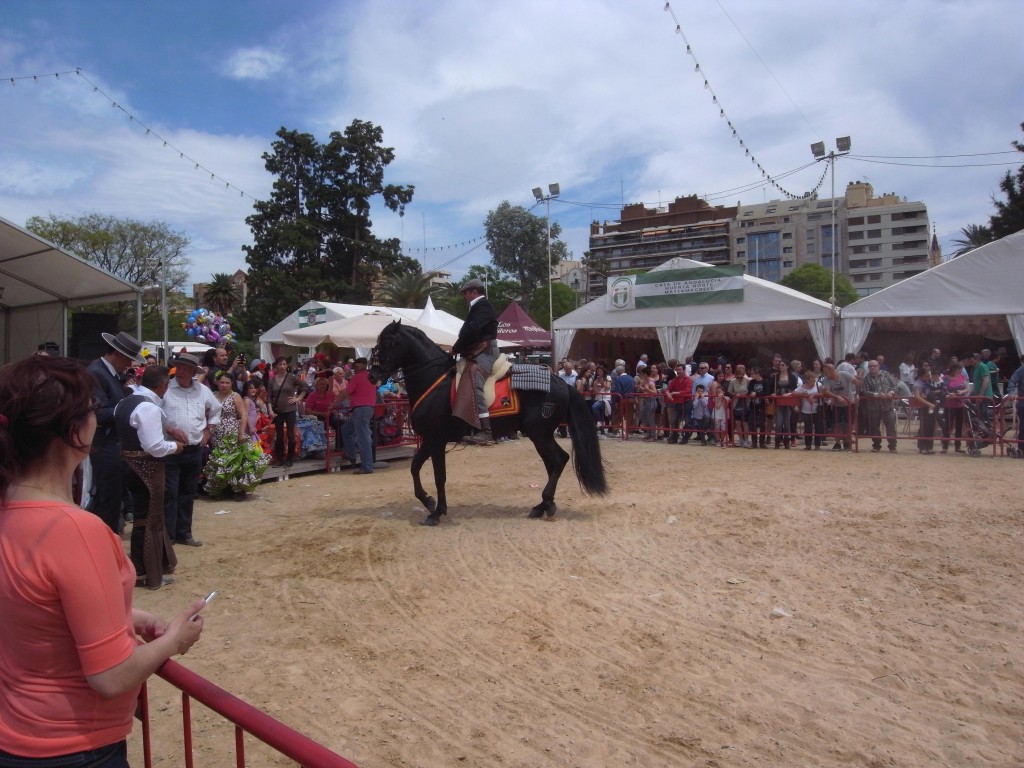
[
  {"x": 843, "y": 145},
  {"x": 553, "y": 191}
]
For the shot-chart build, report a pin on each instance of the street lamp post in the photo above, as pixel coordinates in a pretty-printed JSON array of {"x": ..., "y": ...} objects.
[
  {"x": 818, "y": 150},
  {"x": 553, "y": 191}
]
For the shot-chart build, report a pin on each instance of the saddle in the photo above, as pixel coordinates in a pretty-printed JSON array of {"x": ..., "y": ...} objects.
[{"x": 499, "y": 397}]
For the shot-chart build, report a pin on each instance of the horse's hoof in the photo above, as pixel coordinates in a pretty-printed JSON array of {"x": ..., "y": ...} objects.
[
  {"x": 551, "y": 511},
  {"x": 537, "y": 512},
  {"x": 430, "y": 520},
  {"x": 430, "y": 504}
]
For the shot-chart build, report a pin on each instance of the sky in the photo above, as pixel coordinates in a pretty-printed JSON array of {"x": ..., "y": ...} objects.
[{"x": 483, "y": 101}]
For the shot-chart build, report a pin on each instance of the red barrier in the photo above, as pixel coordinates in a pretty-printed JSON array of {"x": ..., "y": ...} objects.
[{"x": 246, "y": 718}]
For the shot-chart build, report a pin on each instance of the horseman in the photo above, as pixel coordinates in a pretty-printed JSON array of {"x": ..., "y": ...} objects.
[{"x": 478, "y": 346}]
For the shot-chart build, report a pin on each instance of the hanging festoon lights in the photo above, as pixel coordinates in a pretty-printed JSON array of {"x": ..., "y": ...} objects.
[{"x": 699, "y": 69}]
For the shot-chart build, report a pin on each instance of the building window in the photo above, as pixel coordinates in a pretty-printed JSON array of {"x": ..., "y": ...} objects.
[
  {"x": 876, "y": 219},
  {"x": 787, "y": 250},
  {"x": 855, "y": 236},
  {"x": 874, "y": 233},
  {"x": 855, "y": 220},
  {"x": 740, "y": 240},
  {"x": 787, "y": 264},
  {"x": 874, "y": 248},
  {"x": 741, "y": 254},
  {"x": 787, "y": 235}
]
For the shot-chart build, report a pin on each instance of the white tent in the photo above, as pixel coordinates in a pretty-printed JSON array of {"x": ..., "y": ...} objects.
[
  {"x": 360, "y": 332},
  {"x": 980, "y": 293},
  {"x": 323, "y": 312},
  {"x": 768, "y": 312},
  {"x": 39, "y": 283}
]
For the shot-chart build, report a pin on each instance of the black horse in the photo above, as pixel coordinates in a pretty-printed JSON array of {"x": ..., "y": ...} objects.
[{"x": 428, "y": 371}]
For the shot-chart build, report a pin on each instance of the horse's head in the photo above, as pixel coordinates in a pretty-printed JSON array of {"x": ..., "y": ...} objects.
[
  {"x": 408, "y": 348},
  {"x": 388, "y": 355}
]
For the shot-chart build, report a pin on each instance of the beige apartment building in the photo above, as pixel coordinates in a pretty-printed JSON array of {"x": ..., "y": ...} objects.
[{"x": 879, "y": 240}]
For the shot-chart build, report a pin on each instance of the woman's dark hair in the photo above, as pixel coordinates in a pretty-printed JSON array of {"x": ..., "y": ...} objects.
[
  {"x": 279, "y": 359},
  {"x": 42, "y": 399}
]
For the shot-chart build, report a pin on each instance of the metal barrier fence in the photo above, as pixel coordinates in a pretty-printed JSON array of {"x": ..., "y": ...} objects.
[
  {"x": 988, "y": 425},
  {"x": 245, "y": 717}
]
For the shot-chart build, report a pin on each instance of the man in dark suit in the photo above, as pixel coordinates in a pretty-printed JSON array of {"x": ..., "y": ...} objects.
[
  {"x": 478, "y": 344},
  {"x": 105, "y": 457}
]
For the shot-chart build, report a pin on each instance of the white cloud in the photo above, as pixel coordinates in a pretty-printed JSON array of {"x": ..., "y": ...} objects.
[{"x": 254, "y": 64}]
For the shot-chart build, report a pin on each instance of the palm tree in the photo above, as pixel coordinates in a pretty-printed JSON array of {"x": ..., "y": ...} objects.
[
  {"x": 974, "y": 236},
  {"x": 220, "y": 294},
  {"x": 409, "y": 290}
]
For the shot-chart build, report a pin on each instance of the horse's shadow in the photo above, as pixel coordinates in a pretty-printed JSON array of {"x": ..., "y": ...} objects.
[{"x": 467, "y": 512}]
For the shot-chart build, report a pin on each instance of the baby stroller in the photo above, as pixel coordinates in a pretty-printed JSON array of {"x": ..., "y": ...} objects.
[{"x": 977, "y": 426}]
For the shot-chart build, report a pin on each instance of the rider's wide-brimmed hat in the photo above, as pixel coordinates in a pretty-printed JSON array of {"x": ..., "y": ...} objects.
[{"x": 126, "y": 344}]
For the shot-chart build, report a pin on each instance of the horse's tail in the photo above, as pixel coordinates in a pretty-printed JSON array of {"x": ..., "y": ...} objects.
[{"x": 586, "y": 448}]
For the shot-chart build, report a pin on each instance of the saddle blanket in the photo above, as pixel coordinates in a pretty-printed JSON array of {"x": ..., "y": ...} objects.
[{"x": 536, "y": 378}]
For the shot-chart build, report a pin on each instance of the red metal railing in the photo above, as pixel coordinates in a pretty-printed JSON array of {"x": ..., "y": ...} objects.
[{"x": 245, "y": 717}]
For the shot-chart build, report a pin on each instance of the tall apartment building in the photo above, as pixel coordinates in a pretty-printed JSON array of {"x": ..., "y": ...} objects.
[
  {"x": 879, "y": 240},
  {"x": 772, "y": 239},
  {"x": 646, "y": 237},
  {"x": 887, "y": 238}
]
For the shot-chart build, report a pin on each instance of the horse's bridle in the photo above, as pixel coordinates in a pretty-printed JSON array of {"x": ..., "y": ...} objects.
[{"x": 399, "y": 374}]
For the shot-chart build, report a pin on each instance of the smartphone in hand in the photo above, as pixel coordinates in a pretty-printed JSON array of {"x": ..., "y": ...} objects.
[{"x": 206, "y": 601}]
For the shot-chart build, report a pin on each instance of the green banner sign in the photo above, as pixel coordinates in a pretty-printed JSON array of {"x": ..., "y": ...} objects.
[
  {"x": 315, "y": 316},
  {"x": 676, "y": 287}
]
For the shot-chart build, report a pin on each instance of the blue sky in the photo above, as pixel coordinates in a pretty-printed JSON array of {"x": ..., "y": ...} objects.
[{"x": 484, "y": 101}]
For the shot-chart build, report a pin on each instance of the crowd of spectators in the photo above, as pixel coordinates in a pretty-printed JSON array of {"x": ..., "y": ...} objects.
[{"x": 780, "y": 403}]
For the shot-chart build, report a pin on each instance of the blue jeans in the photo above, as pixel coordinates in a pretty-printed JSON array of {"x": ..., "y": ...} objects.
[
  {"x": 110, "y": 756},
  {"x": 357, "y": 431}
]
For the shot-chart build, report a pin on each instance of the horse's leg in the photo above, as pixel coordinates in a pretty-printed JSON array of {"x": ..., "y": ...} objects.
[
  {"x": 555, "y": 459},
  {"x": 418, "y": 460},
  {"x": 437, "y": 459}
]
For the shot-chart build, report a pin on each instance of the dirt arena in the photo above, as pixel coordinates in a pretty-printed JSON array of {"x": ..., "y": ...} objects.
[{"x": 721, "y": 607}]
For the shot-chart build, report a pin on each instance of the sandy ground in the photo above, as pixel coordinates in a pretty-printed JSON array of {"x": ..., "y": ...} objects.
[{"x": 721, "y": 607}]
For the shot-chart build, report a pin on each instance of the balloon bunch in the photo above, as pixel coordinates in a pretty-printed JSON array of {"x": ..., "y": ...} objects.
[{"x": 207, "y": 327}]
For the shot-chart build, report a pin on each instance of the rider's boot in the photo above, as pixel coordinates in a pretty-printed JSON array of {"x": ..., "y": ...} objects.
[{"x": 483, "y": 437}]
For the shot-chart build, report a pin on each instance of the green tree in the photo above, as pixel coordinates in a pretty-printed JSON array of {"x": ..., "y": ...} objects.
[
  {"x": 816, "y": 281},
  {"x": 502, "y": 289},
  {"x": 563, "y": 301},
  {"x": 1009, "y": 216},
  {"x": 405, "y": 289},
  {"x": 220, "y": 294},
  {"x": 144, "y": 254},
  {"x": 973, "y": 236},
  {"x": 313, "y": 238},
  {"x": 518, "y": 243}
]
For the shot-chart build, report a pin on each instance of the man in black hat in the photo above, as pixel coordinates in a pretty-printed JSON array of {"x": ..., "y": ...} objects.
[
  {"x": 478, "y": 344},
  {"x": 105, "y": 491}
]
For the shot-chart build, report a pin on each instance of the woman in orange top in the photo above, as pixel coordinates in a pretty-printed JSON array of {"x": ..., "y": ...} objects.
[{"x": 73, "y": 652}]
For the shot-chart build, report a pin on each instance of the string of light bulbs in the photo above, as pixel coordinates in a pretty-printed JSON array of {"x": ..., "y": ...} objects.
[
  {"x": 699, "y": 71},
  {"x": 182, "y": 154}
]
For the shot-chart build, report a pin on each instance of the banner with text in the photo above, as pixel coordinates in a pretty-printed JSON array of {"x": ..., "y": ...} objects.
[{"x": 676, "y": 287}]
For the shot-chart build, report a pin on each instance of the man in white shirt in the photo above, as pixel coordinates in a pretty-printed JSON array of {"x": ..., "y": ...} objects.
[
  {"x": 192, "y": 409},
  {"x": 145, "y": 442}
]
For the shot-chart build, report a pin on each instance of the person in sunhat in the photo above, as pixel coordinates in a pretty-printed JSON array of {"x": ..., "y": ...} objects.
[
  {"x": 105, "y": 488},
  {"x": 191, "y": 411},
  {"x": 478, "y": 344}
]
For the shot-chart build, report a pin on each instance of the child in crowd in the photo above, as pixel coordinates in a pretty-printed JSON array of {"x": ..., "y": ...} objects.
[{"x": 700, "y": 416}]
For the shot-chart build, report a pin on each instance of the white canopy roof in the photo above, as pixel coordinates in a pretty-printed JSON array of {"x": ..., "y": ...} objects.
[
  {"x": 333, "y": 311},
  {"x": 360, "y": 332},
  {"x": 768, "y": 312},
  {"x": 981, "y": 292},
  {"x": 39, "y": 282}
]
